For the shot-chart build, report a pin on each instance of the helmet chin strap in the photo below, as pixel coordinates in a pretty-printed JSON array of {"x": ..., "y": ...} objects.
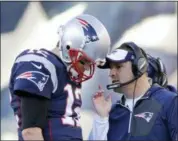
[
  {"x": 72, "y": 71},
  {"x": 73, "y": 74}
]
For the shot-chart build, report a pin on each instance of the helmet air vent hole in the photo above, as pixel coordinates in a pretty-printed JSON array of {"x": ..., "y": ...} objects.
[{"x": 68, "y": 47}]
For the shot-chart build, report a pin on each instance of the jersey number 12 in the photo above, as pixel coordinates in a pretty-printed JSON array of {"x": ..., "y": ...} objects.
[{"x": 71, "y": 109}]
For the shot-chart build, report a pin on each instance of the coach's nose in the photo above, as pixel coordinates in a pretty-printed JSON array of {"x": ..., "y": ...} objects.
[{"x": 113, "y": 72}]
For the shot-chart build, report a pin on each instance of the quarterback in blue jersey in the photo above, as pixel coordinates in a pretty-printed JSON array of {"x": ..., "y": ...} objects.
[
  {"x": 146, "y": 111},
  {"x": 45, "y": 85}
]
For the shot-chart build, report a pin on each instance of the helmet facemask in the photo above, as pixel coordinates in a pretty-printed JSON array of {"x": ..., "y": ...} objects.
[{"x": 81, "y": 67}]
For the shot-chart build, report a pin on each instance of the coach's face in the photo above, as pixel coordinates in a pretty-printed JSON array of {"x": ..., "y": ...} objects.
[{"x": 121, "y": 72}]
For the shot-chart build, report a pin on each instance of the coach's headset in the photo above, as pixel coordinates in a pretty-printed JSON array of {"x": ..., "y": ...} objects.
[
  {"x": 160, "y": 76},
  {"x": 139, "y": 63}
]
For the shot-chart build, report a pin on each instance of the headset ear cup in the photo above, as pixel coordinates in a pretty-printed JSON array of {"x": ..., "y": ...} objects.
[
  {"x": 142, "y": 65},
  {"x": 163, "y": 80},
  {"x": 139, "y": 63}
]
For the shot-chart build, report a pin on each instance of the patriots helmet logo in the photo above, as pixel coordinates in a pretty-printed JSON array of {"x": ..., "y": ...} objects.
[
  {"x": 38, "y": 78},
  {"x": 145, "y": 115},
  {"x": 89, "y": 31}
]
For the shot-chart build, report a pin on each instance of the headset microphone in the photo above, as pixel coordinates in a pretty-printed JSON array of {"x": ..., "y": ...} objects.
[{"x": 118, "y": 85}]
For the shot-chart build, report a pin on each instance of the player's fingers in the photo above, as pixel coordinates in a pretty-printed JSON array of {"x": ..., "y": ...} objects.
[
  {"x": 108, "y": 98},
  {"x": 100, "y": 89},
  {"x": 98, "y": 94}
]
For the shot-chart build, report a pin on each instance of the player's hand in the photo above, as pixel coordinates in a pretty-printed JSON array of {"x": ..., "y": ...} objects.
[{"x": 102, "y": 104}]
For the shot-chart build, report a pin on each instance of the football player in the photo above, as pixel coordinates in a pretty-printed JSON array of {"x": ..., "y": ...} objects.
[{"x": 45, "y": 85}]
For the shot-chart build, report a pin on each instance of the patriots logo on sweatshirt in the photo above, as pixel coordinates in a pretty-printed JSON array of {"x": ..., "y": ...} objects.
[{"x": 145, "y": 115}]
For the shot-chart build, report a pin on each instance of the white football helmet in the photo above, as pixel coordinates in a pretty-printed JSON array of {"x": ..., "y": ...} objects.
[{"x": 83, "y": 38}]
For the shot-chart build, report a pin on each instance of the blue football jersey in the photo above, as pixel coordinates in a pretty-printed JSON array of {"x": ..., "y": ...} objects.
[{"x": 42, "y": 73}]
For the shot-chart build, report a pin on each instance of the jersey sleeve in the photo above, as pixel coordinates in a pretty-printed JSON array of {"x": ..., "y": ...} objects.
[
  {"x": 99, "y": 129},
  {"x": 33, "y": 74}
]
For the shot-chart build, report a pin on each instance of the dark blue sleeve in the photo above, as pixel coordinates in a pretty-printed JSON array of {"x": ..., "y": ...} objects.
[
  {"x": 32, "y": 77},
  {"x": 172, "y": 117}
]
